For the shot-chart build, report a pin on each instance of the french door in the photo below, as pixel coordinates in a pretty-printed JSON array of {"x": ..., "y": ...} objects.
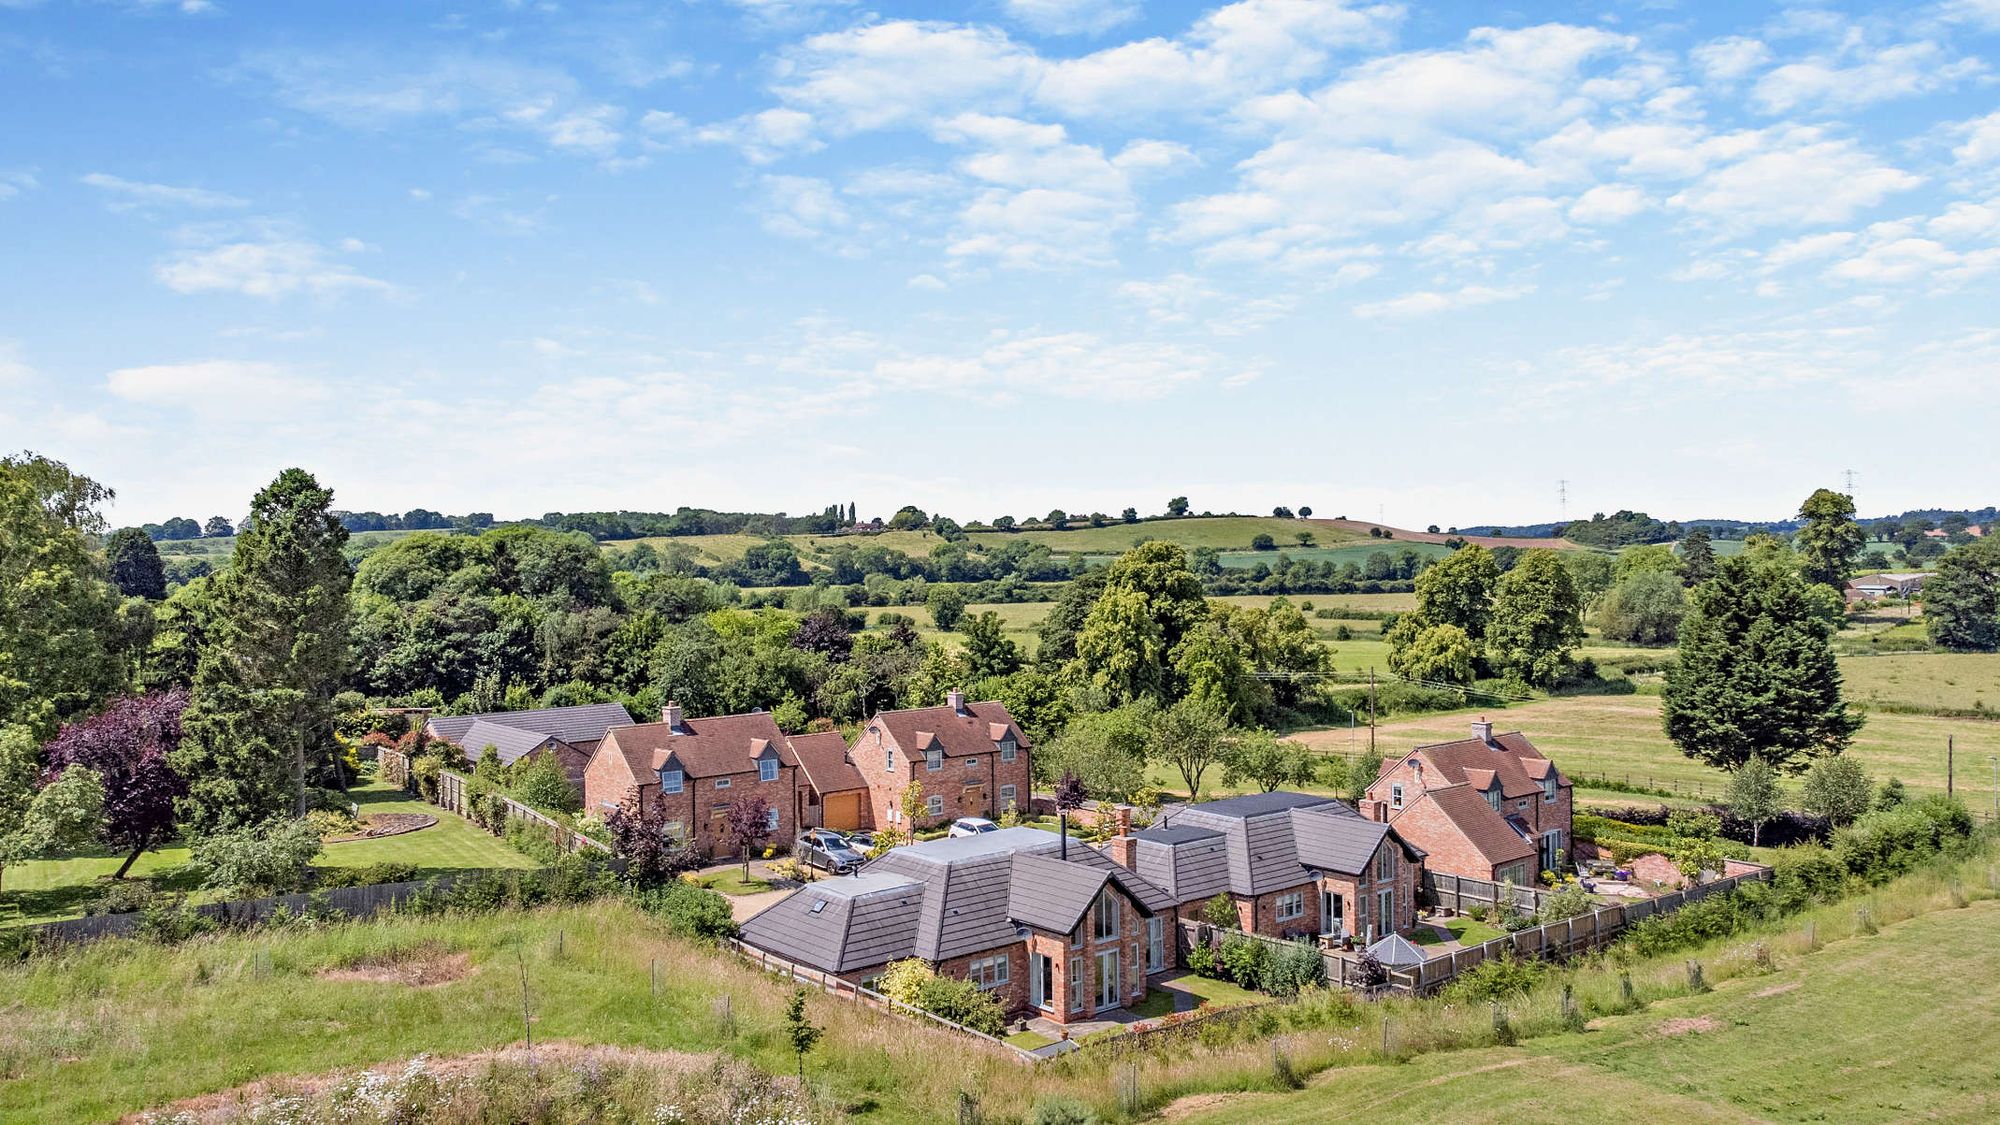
[
  {"x": 1107, "y": 980},
  {"x": 1041, "y": 982}
]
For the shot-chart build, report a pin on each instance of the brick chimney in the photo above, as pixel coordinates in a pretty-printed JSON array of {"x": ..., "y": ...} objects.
[
  {"x": 1123, "y": 848},
  {"x": 957, "y": 700},
  {"x": 671, "y": 715},
  {"x": 1482, "y": 729}
]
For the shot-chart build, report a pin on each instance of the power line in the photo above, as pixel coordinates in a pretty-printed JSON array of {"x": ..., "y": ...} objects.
[{"x": 1562, "y": 499}]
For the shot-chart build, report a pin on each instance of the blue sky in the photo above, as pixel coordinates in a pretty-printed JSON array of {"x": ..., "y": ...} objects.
[{"x": 1417, "y": 259}]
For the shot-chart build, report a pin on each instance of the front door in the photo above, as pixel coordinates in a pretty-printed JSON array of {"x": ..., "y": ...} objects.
[
  {"x": 973, "y": 801},
  {"x": 1107, "y": 980}
]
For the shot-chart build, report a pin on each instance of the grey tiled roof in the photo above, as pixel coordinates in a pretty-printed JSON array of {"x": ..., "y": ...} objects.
[
  {"x": 840, "y": 925},
  {"x": 1050, "y": 894},
  {"x": 1269, "y": 841},
  {"x": 510, "y": 743},
  {"x": 1189, "y": 863},
  {"x": 583, "y": 724},
  {"x": 1344, "y": 844}
]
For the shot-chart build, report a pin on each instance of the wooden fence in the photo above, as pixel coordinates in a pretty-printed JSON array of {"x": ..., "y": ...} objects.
[
  {"x": 1456, "y": 892},
  {"x": 848, "y": 990},
  {"x": 394, "y": 768},
  {"x": 355, "y": 902}
]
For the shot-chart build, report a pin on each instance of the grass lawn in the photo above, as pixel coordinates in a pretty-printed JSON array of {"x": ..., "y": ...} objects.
[
  {"x": 729, "y": 881},
  {"x": 50, "y": 889},
  {"x": 1950, "y": 680},
  {"x": 1839, "y": 1034},
  {"x": 1207, "y": 991},
  {"x": 1028, "y": 1040}
]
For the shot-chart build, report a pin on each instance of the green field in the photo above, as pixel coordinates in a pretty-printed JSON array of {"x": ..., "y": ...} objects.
[
  {"x": 1944, "y": 680},
  {"x": 47, "y": 889},
  {"x": 1839, "y": 1034}
]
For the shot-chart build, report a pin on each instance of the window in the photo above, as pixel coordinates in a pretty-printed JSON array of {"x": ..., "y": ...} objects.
[
  {"x": 1493, "y": 798},
  {"x": 1291, "y": 906},
  {"x": 676, "y": 830},
  {"x": 934, "y": 804},
  {"x": 1104, "y": 917},
  {"x": 1006, "y": 795},
  {"x": 1008, "y": 749},
  {"x": 767, "y": 770},
  {"x": 889, "y": 758},
  {"x": 722, "y": 783},
  {"x": 934, "y": 760},
  {"x": 972, "y": 763},
  {"x": 1549, "y": 787},
  {"x": 672, "y": 781},
  {"x": 1076, "y": 984},
  {"x": 1156, "y": 944},
  {"x": 770, "y": 820},
  {"x": 988, "y": 973},
  {"x": 1396, "y": 795},
  {"x": 1385, "y": 864}
]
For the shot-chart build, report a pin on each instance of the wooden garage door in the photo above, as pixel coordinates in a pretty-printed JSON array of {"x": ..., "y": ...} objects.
[{"x": 843, "y": 810}]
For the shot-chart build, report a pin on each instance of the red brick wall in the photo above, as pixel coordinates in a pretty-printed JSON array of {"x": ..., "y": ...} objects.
[
  {"x": 607, "y": 781},
  {"x": 1449, "y": 852},
  {"x": 1013, "y": 995},
  {"x": 968, "y": 790},
  {"x": 1130, "y": 943}
]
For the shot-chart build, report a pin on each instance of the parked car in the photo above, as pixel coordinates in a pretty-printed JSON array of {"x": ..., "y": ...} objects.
[
  {"x": 826, "y": 850},
  {"x": 862, "y": 841},
  {"x": 972, "y": 826}
]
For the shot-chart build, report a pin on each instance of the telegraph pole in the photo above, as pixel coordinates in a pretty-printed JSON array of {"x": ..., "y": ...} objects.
[
  {"x": 1950, "y": 753},
  {"x": 1562, "y": 499},
  {"x": 1371, "y": 710}
]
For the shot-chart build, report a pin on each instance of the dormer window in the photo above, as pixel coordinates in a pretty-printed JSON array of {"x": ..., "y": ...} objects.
[
  {"x": 1008, "y": 749},
  {"x": 672, "y": 780},
  {"x": 1493, "y": 797},
  {"x": 767, "y": 769},
  {"x": 1549, "y": 787},
  {"x": 934, "y": 759}
]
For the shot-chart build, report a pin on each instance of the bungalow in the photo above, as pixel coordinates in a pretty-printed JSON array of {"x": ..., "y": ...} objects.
[
  {"x": 1050, "y": 927},
  {"x": 697, "y": 770},
  {"x": 569, "y": 733},
  {"x": 831, "y": 793},
  {"x": 1487, "y": 807},
  {"x": 970, "y": 759},
  {"x": 1871, "y": 587},
  {"x": 1295, "y": 865}
]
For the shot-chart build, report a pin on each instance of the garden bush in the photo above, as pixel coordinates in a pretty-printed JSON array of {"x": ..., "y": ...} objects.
[
  {"x": 1293, "y": 969},
  {"x": 367, "y": 876},
  {"x": 541, "y": 782},
  {"x": 1882, "y": 845},
  {"x": 1220, "y": 912},
  {"x": 536, "y": 841},
  {"x": 121, "y": 896},
  {"x": 962, "y": 1002},
  {"x": 1242, "y": 958},
  {"x": 1495, "y": 979},
  {"x": 271, "y": 858},
  {"x": 1201, "y": 961},
  {"x": 688, "y": 910},
  {"x": 1063, "y": 1111},
  {"x": 904, "y": 980}
]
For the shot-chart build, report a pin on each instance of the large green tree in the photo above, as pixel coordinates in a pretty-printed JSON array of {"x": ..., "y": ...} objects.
[
  {"x": 1458, "y": 590},
  {"x": 1646, "y": 608},
  {"x": 1756, "y": 675},
  {"x": 135, "y": 564},
  {"x": 1697, "y": 557},
  {"x": 1537, "y": 620},
  {"x": 1962, "y": 602},
  {"x": 260, "y": 716},
  {"x": 1151, "y": 601},
  {"x": 1442, "y": 653},
  {"x": 60, "y": 632},
  {"x": 1831, "y": 540}
]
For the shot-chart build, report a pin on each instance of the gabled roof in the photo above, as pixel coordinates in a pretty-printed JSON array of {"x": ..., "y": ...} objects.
[
  {"x": 1189, "y": 863},
  {"x": 823, "y": 762},
  {"x": 1262, "y": 838},
  {"x": 1478, "y": 762},
  {"x": 841, "y": 924},
  {"x": 1485, "y": 829},
  {"x": 725, "y": 744},
  {"x": 976, "y": 730},
  {"x": 1052, "y": 895},
  {"x": 583, "y": 724},
  {"x": 510, "y": 743}
]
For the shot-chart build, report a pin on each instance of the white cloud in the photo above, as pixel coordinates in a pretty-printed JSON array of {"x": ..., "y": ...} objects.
[
  {"x": 1608, "y": 203},
  {"x": 764, "y": 137},
  {"x": 14, "y": 371},
  {"x": 1064, "y": 364},
  {"x": 803, "y": 207},
  {"x": 13, "y": 184},
  {"x": 224, "y": 386},
  {"x": 904, "y": 72},
  {"x": 1860, "y": 76},
  {"x": 268, "y": 264},
  {"x": 1730, "y": 59},
  {"x": 123, "y": 194},
  {"x": 1072, "y": 17},
  {"x": 1412, "y": 305},
  {"x": 1796, "y": 175},
  {"x": 1982, "y": 140}
]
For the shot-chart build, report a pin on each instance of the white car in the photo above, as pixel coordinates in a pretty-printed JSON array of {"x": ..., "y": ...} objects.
[{"x": 972, "y": 826}]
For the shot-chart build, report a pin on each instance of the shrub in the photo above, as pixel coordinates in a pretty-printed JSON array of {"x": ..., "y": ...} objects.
[
  {"x": 962, "y": 1002},
  {"x": 688, "y": 910},
  {"x": 1495, "y": 979},
  {"x": 1887, "y": 843},
  {"x": 1063, "y": 1111},
  {"x": 536, "y": 841},
  {"x": 541, "y": 782},
  {"x": 333, "y": 822},
  {"x": 1293, "y": 969},
  {"x": 367, "y": 876},
  {"x": 1569, "y": 902},
  {"x": 270, "y": 858},
  {"x": 172, "y": 918},
  {"x": 1220, "y": 912},
  {"x": 1243, "y": 959},
  {"x": 1812, "y": 872},
  {"x": 121, "y": 897},
  {"x": 1201, "y": 960},
  {"x": 903, "y": 981}
]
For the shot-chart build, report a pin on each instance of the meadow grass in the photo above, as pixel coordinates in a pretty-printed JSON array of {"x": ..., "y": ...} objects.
[
  {"x": 45, "y": 890},
  {"x": 1962, "y": 681},
  {"x": 1220, "y": 532}
]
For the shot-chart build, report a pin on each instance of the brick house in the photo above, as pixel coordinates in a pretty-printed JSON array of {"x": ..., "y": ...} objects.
[
  {"x": 571, "y": 734},
  {"x": 1295, "y": 865},
  {"x": 831, "y": 791},
  {"x": 970, "y": 758},
  {"x": 1487, "y": 807},
  {"x": 1050, "y": 928},
  {"x": 696, "y": 769}
]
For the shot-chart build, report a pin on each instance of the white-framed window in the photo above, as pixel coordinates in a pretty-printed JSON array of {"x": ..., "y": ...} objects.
[
  {"x": 934, "y": 759},
  {"x": 1156, "y": 944},
  {"x": 988, "y": 972},
  {"x": 672, "y": 781},
  {"x": 1291, "y": 906},
  {"x": 676, "y": 829},
  {"x": 1076, "y": 984},
  {"x": 1008, "y": 749},
  {"x": 1549, "y": 788},
  {"x": 1006, "y": 795},
  {"x": 1396, "y": 795},
  {"x": 771, "y": 820},
  {"x": 722, "y": 783},
  {"x": 1385, "y": 864},
  {"x": 1104, "y": 917},
  {"x": 972, "y": 763},
  {"x": 767, "y": 769},
  {"x": 934, "y": 804},
  {"x": 889, "y": 758}
]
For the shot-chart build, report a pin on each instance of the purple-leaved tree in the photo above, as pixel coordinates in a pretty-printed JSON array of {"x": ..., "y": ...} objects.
[{"x": 127, "y": 744}]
